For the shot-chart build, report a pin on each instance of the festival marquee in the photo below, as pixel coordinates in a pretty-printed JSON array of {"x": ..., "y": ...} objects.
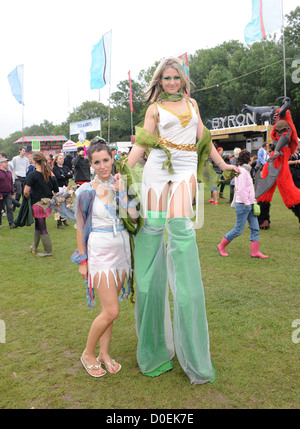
[{"x": 42, "y": 139}]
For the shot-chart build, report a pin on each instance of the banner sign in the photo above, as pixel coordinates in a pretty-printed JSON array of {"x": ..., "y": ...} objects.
[
  {"x": 36, "y": 145},
  {"x": 47, "y": 147},
  {"x": 87, "y": 125}
]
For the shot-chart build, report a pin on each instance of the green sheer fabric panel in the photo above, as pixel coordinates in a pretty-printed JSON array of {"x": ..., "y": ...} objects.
[
  {"x": 153, "y": 320},
  {"x": 190, "y": 325}
]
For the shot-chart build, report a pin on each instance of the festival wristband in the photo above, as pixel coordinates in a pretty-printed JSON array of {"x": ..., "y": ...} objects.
[{"x": 78, "y": 257}]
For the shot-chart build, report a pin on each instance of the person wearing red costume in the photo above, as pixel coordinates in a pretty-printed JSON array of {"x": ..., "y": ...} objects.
[{"x": 284, "y": 136}]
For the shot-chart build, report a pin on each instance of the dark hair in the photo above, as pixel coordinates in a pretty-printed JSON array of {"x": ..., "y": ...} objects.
[
  {"x": 244, "y": 157},
  {"x": 97, "y": 145}
]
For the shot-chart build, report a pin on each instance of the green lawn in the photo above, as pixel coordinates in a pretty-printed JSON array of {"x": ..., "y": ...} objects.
[{"x": 251, "y": 305}]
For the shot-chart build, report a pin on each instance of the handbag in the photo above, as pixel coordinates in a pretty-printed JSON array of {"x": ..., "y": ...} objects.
[{"x": 256, "y": 209}]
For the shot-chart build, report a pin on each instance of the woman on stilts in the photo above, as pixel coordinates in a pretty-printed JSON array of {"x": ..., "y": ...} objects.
[{"x": 179, "y": 144}]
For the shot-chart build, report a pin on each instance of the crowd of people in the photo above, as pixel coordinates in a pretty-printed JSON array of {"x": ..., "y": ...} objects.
[{"x": 180, "y": 146}]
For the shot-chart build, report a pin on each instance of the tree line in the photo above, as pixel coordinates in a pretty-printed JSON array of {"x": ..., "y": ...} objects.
[{"x": 224, "y": 78}]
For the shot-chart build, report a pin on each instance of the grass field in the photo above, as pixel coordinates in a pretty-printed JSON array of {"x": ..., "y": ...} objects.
[{"x": 251, "y": 305}]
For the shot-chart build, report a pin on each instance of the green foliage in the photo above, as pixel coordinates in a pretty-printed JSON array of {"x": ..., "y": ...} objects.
[
  {"x": 225, "y": 77},
  {"x": 292, "y": 31},
  {"x": 230, "y": 75},
  {"x": 88, "y": 110}
]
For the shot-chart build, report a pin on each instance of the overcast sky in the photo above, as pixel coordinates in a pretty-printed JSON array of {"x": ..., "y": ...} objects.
[{"x": 54, "y": 40}]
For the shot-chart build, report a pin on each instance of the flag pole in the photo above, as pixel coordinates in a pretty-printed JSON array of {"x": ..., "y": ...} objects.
[
  {"x": 283, "y": 43},
  {"x": 130, "y": 103},
  {"x": 23, "y": 119},
  {"x": 23, "y": 101},
  {"x": 69, "y": 110},
  {"x": 100, "y": 115},
  {"x": 108, "y": 131}
]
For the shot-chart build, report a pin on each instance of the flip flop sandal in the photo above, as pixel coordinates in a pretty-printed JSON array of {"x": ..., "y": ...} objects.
[
  {"x": 108, "y": 364},
  {"x": 92, "y": 367}
]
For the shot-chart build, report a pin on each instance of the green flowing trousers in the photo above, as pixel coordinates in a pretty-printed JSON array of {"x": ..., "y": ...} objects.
[
  {"x": 180, "y": 266},
  {"x": 153, "y": 320}
]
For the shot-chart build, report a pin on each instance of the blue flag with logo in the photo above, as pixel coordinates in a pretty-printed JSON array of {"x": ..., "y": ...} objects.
[
  {"x": 101, "y": 57},
  {"x": 15, "y": 79},
  {"x": 266, "y": 18}
]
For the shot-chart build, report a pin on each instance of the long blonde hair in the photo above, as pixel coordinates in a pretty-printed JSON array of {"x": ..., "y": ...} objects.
[
  {"x": 40, "y": 159},
  {"x": 153, "y": 92}
]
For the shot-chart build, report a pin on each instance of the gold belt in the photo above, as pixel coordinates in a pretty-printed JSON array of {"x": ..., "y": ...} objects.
[{"x": 191, "y": 147}]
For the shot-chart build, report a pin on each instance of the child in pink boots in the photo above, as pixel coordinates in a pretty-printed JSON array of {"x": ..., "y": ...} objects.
[{"x": 245, "y": 198}]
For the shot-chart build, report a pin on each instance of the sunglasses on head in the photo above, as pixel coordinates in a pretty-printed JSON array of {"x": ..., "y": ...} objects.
[{"x": 98, "y": 140}]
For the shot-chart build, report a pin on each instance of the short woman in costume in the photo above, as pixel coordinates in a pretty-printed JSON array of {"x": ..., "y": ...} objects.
[
  {"x": 103, "y": 252},
  {"x": 63, "y": 174},
  {"x": 41, "y": 185},
  {"x": 171, "y": 129},
  {"x": 245, "y": 199}
]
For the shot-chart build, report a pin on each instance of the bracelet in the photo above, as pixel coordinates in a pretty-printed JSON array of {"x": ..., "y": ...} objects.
[
  {"x": 79, "y": 257},
  {"x": 84, "y": 262},
  {"x": 220, "y": 162}
]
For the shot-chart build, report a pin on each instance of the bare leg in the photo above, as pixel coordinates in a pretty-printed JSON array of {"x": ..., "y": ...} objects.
[
  {"x": 215, "y": 196},
  {"x": 181, "y": 203},
  {"x": 109, "y": 312},
  {"x": 106, "y": 336},
  {"x": 163, "y": 201}
]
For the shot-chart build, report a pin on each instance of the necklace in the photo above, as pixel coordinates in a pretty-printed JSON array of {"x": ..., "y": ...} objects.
[
  {"x": 171, "y": 97},
  {"x": 105, "y": 190},
  {"x": 103, "y": 182}
]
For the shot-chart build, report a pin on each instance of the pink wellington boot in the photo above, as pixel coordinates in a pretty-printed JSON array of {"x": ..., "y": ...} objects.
[
  {"x": 255, "y": 253},
  {"x": 222, "y": 245}
]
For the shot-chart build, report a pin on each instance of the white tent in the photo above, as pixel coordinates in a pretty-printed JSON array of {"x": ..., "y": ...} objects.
[
  {"x": 69, "y": 146},
  {"x": 122, "y": 146}
]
